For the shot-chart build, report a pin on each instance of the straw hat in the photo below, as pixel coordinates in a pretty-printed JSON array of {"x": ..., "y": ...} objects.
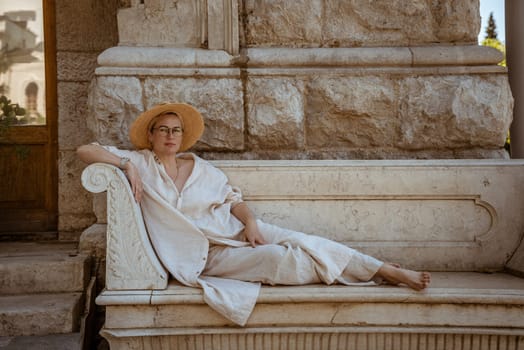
[{"x": 191, "y": 120}]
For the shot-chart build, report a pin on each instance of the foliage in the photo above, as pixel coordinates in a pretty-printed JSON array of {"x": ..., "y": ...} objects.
[
  {"x": 8, "y": 114},
  {"x": 495, "y": 43}
]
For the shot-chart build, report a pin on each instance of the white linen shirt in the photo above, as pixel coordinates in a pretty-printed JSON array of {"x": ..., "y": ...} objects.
[{"x": 181, "y": 225}]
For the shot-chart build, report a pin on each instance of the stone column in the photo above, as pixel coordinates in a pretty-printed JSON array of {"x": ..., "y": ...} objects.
[{"x": 514, "y": 59}]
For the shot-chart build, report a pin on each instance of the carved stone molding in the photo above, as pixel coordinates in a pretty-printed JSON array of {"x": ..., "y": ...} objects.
[{"x": 131, "y": 262}]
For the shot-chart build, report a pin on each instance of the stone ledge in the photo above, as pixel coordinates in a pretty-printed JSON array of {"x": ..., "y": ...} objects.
[
  {"x": 447, "y": 287},
  {"x": 454, "y": 299},
  {"x": 142, "y": 57},
  {"x": 375, "y": 56},
  {"x": 170, "y": 57}
]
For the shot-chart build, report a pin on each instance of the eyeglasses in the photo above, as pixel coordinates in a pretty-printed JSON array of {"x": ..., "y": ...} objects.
[{"x": 166, "y": 131}]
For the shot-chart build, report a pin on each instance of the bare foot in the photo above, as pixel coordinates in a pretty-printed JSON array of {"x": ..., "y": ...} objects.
[
  {"x": 396, "y": 275},
  {"x": 390, "y": 282}
]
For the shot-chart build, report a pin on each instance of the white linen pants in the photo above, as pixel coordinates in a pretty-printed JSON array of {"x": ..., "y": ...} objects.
[{"x": 291, "y": 258}]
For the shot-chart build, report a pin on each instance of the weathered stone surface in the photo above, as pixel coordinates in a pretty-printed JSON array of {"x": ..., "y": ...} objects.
[
  {"x": 281, "y": 22},
  {"x": 219, "y": 101},
  {"x": 455, "y": 111},
  {"x": 456, "y": 21},
  {"x": 86, "y": 25},
  {"x": 383, "y": 22},
  {"x": 43, "y": 273},
  {"x": 163, "y": 57},
  {"x": 361, "y": 153},
  {"x": 93, "y": 243},
  {"x": 74, "y": 203},
  {"x": 275, "y": 114},
  {"x": 72, "y": 112},
  {"x": 46, "y": 314},
  {"x": 76, "y": 66},
  {"x": 114, "y": 102},
  {"x": 516, "y": 262},
  {"x": 352, "y": 112},
  {"x": 161, "y": 23},
  {"x": 336, "y": 23},
  {"x": 100, "y": 207},
  {"x": 68, "y": 341}
]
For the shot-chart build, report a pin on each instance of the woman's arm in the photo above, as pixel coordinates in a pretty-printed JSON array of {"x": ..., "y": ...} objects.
[
  {"x": 242, "y": 212},
  {"x": 97, "y": 154}
]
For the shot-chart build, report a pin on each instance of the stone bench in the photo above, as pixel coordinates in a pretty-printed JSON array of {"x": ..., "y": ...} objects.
[{"x": 461, "y": 219}]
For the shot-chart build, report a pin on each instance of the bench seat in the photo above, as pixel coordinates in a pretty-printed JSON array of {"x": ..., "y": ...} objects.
[
  {"x": 460, "y": 307},
  {"x": 462, "y": 220}
]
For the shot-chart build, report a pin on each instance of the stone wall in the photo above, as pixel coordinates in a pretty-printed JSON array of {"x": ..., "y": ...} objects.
[
  {"x": 308, "y": 79},
  {"x": 354, "y": 23},
  {"x": 83, "y": 30}
]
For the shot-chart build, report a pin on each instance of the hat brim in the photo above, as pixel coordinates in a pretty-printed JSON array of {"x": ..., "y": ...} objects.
[{"x": 191, "y": 119}]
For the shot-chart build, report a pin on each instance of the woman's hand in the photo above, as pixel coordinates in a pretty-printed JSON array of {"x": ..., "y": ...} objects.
[
  {"x": 252, "y": 233},
  {"x": 134, "y": 180}
]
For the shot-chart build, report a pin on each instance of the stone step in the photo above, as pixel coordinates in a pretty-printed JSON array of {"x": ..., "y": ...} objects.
[
  {"x": 40, "y": 314},
  {"x": 67, "y": 341},
  {"x": 42, "y": 268}
]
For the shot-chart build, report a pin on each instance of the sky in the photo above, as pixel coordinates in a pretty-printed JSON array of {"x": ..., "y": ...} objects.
[{"x": 497, "y": 7}]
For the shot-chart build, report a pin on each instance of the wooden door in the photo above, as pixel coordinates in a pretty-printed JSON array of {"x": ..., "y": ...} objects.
[{"x": 28, "y": 143}]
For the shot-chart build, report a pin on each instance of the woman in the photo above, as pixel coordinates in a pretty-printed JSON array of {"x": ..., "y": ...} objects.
[{"x": 207, "y": 237}]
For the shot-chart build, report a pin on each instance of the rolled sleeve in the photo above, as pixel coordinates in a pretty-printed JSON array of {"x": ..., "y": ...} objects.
[{"x": 234, "y": 196}]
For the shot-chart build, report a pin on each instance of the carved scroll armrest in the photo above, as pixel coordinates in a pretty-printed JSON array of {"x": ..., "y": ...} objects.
[{"x": 131, "y": 262}]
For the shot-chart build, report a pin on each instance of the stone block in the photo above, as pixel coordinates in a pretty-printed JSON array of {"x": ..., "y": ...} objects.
[
  {"x": 350, "y": 111},
  {"x": 93, "y": 243},
  {"x": 456, "y": 21},
  {"x": 162, "y": 23},
  {"x": 333, "y": 23},
  {"x": 39, "y": 315},
  {"x": 75, "y": 66},
  {"x": 43, "y": 273},
  {"x": 378, "y": 23},
  {"x": 275, "y": 114},
  {"x": 74, "y": 203},
  {"x": 114, "y": 102},
  {"x": 68, "y": 341},
  {"x": 86, "y": 25},
  {"x": 455, "y": 111},
  {"x": 218, "y": 99},
  {"x": 283, "y": 23},
  {"x": 72, "y": 112}
]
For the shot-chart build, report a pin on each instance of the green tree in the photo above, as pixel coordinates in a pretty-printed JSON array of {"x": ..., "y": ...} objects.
[
  {"x": 491, "y": 38},
  {"x": 491, "y": 29}
]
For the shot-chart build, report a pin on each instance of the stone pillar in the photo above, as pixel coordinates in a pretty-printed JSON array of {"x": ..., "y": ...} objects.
[
  {"x": 514, "y": 59},
  {"x": 183, "y": 24}
]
